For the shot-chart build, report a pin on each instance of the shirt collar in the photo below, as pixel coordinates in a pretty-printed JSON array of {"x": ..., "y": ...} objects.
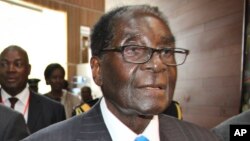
[
  {"x": 22, "y": 96},
  {"x": 124, "y": 133}
]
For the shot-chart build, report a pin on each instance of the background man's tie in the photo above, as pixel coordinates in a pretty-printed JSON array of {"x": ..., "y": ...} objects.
[
  {"x": 141, "y": 138},
  {"x": 13, "y": 101}
]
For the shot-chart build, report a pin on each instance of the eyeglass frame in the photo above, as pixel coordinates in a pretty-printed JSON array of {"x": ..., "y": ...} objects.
[{"x": 122, "y": 48}]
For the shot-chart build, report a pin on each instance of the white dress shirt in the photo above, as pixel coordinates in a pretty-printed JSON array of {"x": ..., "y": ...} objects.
[
  {"x": 120, "y": 132},
  {"x": 22, "y": 105}
]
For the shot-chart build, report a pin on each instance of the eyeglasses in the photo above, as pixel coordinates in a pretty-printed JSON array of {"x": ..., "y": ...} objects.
[{"x": 142, "y": 54}]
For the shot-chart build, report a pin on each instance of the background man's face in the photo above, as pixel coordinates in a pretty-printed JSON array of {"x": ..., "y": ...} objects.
[{"x": 14, "y": 71}]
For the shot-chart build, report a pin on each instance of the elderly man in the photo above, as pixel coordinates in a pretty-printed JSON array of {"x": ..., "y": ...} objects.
[
  {"x": 38, "y": 111},
  {"x": 133, "y": 61}
]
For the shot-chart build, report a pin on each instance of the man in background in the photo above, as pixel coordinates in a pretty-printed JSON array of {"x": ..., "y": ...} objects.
[
  {"x": 87, "y": 101},
  {"x": 33, "y": 84},
  {"x": 38, "y": 111}
]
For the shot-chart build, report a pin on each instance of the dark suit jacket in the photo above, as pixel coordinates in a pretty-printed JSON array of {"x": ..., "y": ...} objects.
[
  {"x": 90, "y": 126},
  {"x": 12, "y": 125},
  {"x": 43, "y": 112}
]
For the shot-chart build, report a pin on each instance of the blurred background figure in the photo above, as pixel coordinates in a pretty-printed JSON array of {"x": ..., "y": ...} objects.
[
  {"x": 87, "y": 101},
  {"x": 54, "y": 76},
  {"x": 33, "y": 84}
]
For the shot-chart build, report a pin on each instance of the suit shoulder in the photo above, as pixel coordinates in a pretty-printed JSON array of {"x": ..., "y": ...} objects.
[
  {"x": 222, "y": 129},
  {"x": 242, "y": 118},
  {"x": 8, "y": 111},
  {"x": 9, "y": 121},
  {"x": 71, "y": 128},
  {"x": 63, "y": 131}
]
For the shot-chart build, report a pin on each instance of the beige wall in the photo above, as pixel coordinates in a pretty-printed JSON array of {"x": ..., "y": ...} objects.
[
  {"x": 79, "y": 13},
  {"x": 208, "y": 86}
]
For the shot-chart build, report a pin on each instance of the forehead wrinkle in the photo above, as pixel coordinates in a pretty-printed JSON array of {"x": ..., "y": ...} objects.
[{"x": 132, "y": 36}]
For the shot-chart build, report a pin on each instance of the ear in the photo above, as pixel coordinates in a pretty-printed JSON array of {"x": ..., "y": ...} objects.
[{"x": 95, "y": 64}]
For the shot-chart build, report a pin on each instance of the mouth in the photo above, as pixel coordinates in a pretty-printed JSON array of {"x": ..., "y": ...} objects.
[
  {"x": 153, "y": 91},
  {"x": 153, "y": 87},
  {"x": 11, "y": 79}
]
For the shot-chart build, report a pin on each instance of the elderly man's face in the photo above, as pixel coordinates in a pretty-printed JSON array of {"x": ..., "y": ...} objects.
[
  {"x": 14, "y": 71},
  {"x": 130, "y": 88}
]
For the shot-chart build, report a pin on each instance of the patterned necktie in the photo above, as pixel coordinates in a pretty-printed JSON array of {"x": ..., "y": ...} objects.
[
  {"x": 13, "y": 101},
  {"x": 141, "y": 138}
]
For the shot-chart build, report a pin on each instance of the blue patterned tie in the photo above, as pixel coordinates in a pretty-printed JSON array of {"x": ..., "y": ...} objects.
[{"x": 141, "y": 138}]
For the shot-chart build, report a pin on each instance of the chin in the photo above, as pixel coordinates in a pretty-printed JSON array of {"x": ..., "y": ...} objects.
[{"x": 151, "y": 110}]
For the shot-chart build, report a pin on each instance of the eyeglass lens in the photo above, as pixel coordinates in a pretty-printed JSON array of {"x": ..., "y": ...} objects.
[{"x": 140, "y": 54}]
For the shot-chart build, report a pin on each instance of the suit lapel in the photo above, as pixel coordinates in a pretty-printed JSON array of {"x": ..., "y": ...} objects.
[{"x": 34, "y": 111}]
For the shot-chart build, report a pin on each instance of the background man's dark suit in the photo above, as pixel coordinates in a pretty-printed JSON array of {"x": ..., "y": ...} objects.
[
  {"x": 43, "y": 112},
  {"x": 93, "y": 128},
  {"x": 12, "y": 125}
]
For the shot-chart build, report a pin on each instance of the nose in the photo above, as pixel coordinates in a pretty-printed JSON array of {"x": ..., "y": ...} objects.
[
  {"x": 58, "y": 79},
  {"x": 11, "y": 68},
  {"x": 155, "y": 63}
]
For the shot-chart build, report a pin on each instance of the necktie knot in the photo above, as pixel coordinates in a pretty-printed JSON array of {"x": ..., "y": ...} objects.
[
  {"x": 141, "y": 138},
  {"x": 13, "y": 101}
]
